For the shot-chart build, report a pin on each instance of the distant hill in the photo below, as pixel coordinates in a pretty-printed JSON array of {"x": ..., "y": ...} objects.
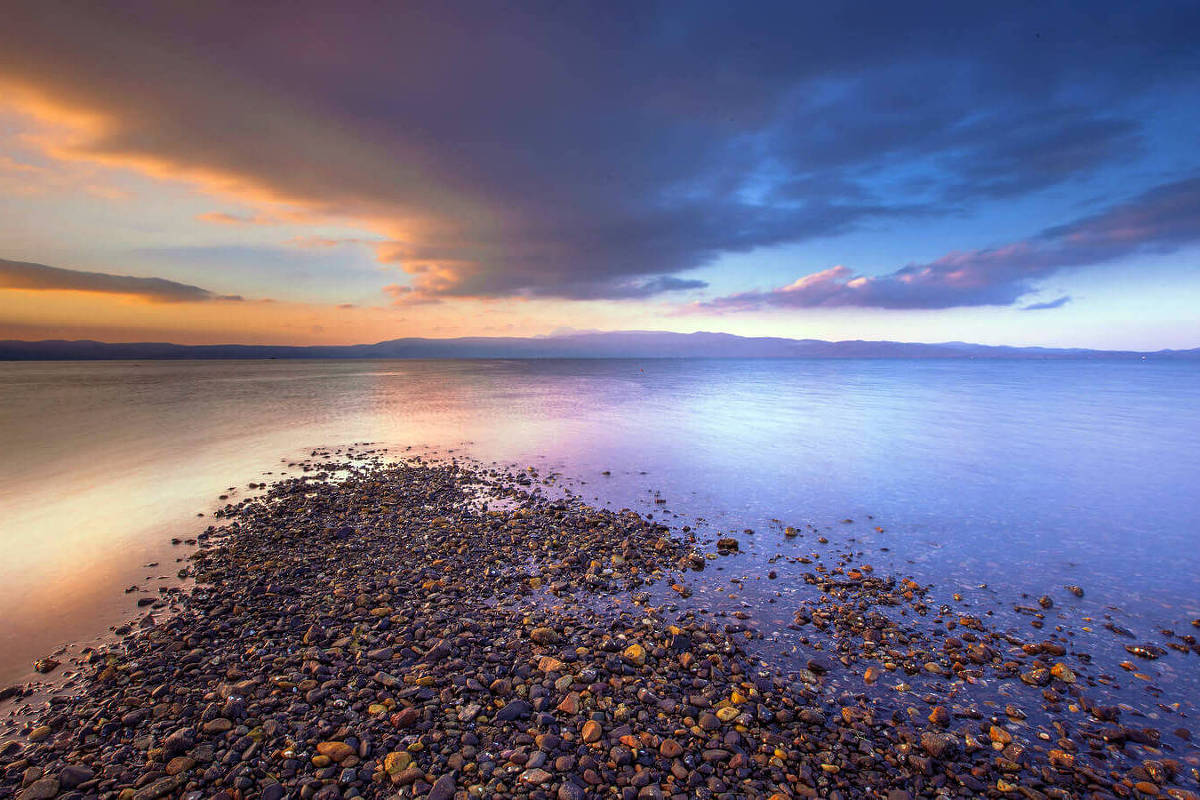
[{"x": 620, "y": 344}]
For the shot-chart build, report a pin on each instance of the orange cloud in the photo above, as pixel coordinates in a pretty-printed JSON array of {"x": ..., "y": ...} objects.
[
  {"x": 224, "y": 218},
  {"x": 408, "y": 295}
]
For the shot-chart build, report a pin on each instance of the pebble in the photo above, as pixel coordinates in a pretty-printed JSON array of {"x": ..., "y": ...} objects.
[{"x": 386, "y": 633}]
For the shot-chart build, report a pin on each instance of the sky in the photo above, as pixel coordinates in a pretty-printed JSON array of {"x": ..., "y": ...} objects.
[{"x": 314, "y": 172}]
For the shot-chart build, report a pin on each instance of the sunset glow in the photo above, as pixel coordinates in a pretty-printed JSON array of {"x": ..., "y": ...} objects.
[{"x": 321, "y": 171}]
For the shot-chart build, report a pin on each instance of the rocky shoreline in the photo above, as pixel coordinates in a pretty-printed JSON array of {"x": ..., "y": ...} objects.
[{"x": 438, "y": 630}]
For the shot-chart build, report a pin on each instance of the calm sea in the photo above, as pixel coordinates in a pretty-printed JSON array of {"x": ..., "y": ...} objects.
[{"x": 993, "y": 478}]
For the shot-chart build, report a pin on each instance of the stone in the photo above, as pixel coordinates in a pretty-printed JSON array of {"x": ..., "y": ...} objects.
[
  {"x": 535, "y": 777},
  {"x": 335, "y": 751},
  {"x": 180, "y": 764},
  {"x": 406, "y": 717},
  {"x": 670, "y": 748},
  {"x": 72, "y": 775},
  {"x": 570, "y": 791},
  {"x": 218, "y": 725},
  {"x": 634, "y": 654},
  {"x": 591, "y": 731},
  {"x": 550, "y": 664},
  {"x": 516, "y": 709},
  {"x": 41, "y": 789},
  {"x": 443, "y": 788},
  {"x": 939, "y": 745},
  {"x": 1063, "y": 673},
  {"x": 570, "y": 703},
  {"x": 396, "y": 762},
  {"x": 544, "y": 635},
  {"x": 159, "y": 788}
]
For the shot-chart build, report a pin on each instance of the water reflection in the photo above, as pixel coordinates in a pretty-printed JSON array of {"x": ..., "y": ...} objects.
[{"x": 1023, "y": 475}]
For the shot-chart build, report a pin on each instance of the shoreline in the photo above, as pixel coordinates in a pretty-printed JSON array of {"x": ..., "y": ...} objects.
[{"x": 386, "y": 634}]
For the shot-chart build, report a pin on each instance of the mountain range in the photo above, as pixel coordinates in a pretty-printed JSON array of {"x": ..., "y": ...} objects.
[{"x": 617, "y": 344}]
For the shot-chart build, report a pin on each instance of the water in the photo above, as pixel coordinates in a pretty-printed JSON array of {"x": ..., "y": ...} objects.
[{"x": 1021, "y": 475}]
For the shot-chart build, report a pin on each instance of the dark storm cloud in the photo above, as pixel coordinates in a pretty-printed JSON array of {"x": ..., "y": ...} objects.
[
  {"x": 592, "y": 151},
  {"x": 39, "y": 277},
  {"x": 1160, "y": 220}
]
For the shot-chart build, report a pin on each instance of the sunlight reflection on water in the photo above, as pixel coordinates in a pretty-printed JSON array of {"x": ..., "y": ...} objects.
[{"x": 1021, "y": 474}]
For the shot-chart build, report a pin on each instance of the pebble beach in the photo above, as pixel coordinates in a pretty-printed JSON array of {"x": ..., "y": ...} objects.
[{"x": 423, "y": 629}]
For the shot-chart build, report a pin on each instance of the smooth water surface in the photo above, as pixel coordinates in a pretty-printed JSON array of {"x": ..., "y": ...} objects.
[{"x": 1024, "y": 475}]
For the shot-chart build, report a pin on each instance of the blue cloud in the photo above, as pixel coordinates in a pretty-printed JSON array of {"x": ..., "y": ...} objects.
[
  {"x": 1160, "y": 220},
  {"x": 1058, "y": 302}
]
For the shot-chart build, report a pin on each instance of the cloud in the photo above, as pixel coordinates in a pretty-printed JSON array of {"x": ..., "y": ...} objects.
[
  {"x": 1160, "y": 220},
  {"x": 407, "y": 295},
  {"x": 225, "y": 218},
  {"x": 589, "y": 154},
  {"x": 1058, "y": 302},
  {"x": 39, "y": 277}
]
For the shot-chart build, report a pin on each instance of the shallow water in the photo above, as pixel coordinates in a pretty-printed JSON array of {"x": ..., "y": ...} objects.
[{"x": 1022, "y": 475}]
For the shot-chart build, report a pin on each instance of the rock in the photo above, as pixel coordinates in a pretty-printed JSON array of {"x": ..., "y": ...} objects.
[
  {"x": 47, "y": 664},
  {"x": 1036, "y": 677},
  {"x": 516, "y": 709},
  {"x": 939, "y": 745},
  {"x": 406, "y": 717},
  {"x": 544, "y": 635},
  {"x": 159, "y": 788},
  {"x": 591, "y": 731},
  {"x": 634, "y": 654},
  {"x": 409, "y": 776},
  {"x": 535, "y": 777},
  {"x": 440, "y": 651},
  {"x": 1063, "y": 673},
  {"x": 41, "y": 789},
  {"x": 538, "y": 652},
  {"x": 570, "y": 791},
  {"x": 443, "y": 788},
  {"x": 179, "y": 742},
  {"x": 670, "y": 749},
  {"x": 72, "y": 775},
  {"x": 550, "y": 664},
  {"x": 820, "y": 665},
  {"x": 396, "y": 762},
  {"x": 727, "y": 714},
  {"x": 180, "y": 764},
  {"x": 335, "y": 751},
  {"x": 1146, "y": 651},
  {"x": 570, "y": 703},
  {"x": 218, "y": 725}
]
